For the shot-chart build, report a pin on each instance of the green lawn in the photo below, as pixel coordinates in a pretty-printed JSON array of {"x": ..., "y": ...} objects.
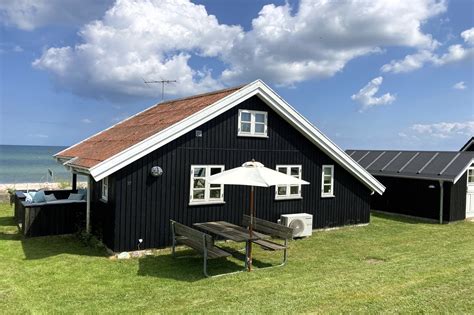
[{"x": 391, "y": 265}]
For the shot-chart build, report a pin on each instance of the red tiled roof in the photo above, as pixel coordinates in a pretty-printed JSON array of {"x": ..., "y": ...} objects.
[{"x": 135, "y": 129}]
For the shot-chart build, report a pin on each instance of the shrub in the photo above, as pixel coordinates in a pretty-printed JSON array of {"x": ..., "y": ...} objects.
[{"x": 63, "y": 184}]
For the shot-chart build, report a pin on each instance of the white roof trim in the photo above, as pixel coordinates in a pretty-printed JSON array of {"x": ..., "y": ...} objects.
[
  {"x": 467, "y": 145},
  {"x": 272, "y": 99},
  {"x": 463, "y": 171}
]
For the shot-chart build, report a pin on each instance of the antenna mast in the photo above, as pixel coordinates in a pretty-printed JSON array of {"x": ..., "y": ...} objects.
[{"x": 162, "y": 82}]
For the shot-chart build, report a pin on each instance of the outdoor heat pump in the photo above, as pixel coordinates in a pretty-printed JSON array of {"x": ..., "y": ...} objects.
[{"x": 301, "y": 223}]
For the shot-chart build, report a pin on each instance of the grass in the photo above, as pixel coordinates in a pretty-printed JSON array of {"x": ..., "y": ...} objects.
[{"x": 391, "y": 265}]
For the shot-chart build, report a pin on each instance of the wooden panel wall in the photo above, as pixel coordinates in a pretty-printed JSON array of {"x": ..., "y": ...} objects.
[
  {"x": 144, "y": 205},
  {"x": 409, "y": 197},
  {"x": 457, "y": 200},
  {"x": 54, "y": 219},
  {"x": 414, "y": 197},
  {"x": 103, "y": 213}
]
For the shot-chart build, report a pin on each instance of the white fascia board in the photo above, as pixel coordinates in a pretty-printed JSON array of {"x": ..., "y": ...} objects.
[
  {"x": 467, "y": 145},
  {"x": 272, "y": 99},
  {"x": 66, "y": 162},
  {"x": 463, "y": 171},
  {"x": 319, "y": 139},
  {"x": 171, "y": 133}
]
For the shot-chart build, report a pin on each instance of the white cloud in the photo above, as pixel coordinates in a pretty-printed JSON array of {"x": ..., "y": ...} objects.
[
  {"x": 136, "y": 40},
  {"x": 445, "y": 130},
  {"x": 454, "y": 53},
  {"x": 38, "y": 135},
  {"x": 409, "y": 63},
  {"x": 459, "y": 86},
  {"x": 86, "y": 121},
  {"x": 158, "y": 39},
  {"x": 319, "y": 39},
  {"x": 468, "y": 36},
  {"x": 8, "y": 47},
  {"x": 366, "y": 96},
  {"x": 30, "y": 14}
]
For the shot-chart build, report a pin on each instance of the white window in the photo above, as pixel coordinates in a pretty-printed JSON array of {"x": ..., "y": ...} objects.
[
  {"x": 327, "y": 185},
  {"x": 105, "y": 189},
  {"x": 288, "y": 191},
  {"x": 470, "y": 176},
  {"x": 201, "y": 191},
  {"x": 252, "y": 123}
]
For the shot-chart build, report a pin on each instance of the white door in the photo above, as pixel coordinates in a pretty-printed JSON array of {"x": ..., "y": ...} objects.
[{"x": 470, "y": 193}]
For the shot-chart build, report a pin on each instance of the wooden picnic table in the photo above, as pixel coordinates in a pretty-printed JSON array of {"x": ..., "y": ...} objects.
[{"x": 230, "y": 231}]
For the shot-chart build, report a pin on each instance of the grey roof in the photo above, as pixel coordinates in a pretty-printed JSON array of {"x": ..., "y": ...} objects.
[{"x": 436, "y": 165}]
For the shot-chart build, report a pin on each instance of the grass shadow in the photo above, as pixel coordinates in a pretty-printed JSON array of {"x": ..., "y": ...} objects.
[
  {"x": 7, "y": 221},
  {"x": 185, "y": 266},
  {"x": 241, "y": 256},
  {"x": 10, "y": 236},
  {"x": 47, "y": 246},
  {"x": 402, "y": 218}
]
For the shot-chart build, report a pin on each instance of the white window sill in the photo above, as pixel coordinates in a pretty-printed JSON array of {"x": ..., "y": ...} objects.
[
  {"x": 103, "y": 200},
  {"x": 289, "y": 198},
  {"x": 203, "y": 203},
  {"x": 328, "y": 196},
  {"x": 251, "y": 135}
]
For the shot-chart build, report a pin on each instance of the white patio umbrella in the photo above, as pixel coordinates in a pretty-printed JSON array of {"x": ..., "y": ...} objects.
[{"x": 254, "y": 174}]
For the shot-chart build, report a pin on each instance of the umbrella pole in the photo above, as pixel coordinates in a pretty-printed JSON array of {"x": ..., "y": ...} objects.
[{"x": 249, "y": 265}]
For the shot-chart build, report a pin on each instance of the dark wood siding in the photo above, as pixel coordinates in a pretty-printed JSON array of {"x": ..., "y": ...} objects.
[
  {"x": 50, "y": 218},
  {"x": 406, "y": 196},
  {"x": 103, "y": 213},
  {"x": 457, "y": 200},
  {"x": 54, "y": 219},
  {"x": 414, "y": 197},
  {"x": 144, "y": 204}
]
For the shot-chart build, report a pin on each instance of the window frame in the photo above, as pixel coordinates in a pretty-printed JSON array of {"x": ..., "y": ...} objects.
[
  {"x": 470, "y": 170},
  {"x": 331, "y": 193},
  {"x": 104, "y": 191},
  {"x": 288, "y": 195},
  {"x": 252, "y": 122},
  {"x": 207, "y": 186}
]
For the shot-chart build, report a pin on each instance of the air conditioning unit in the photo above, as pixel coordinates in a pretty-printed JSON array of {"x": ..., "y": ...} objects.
[{"x": 301, "y": 223}]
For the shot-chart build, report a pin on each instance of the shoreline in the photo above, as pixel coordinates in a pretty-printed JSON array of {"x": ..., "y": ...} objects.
[{"x": 36, "y": 186}]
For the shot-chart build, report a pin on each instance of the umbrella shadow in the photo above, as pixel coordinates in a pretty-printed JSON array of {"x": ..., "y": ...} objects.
[{"x": 185, "y": 266}]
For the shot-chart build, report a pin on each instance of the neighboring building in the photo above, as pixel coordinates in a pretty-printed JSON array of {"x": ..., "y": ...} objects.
[
  {"x": 432, "y": 185},
  {"x": 469, "y": 146},
  {"x": 192, "y": 138}
]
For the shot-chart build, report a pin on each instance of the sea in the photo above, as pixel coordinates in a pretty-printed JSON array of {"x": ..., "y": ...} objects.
[{"x": 31, "y": 164}]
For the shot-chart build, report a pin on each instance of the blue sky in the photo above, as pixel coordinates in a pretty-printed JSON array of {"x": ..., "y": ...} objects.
[{"x": 372, "y": 74}]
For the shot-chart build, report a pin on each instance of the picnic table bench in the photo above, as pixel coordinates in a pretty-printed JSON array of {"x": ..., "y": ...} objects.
[
  {"x": 197, "y": 240},
  {"x": 273, "y": 229}
]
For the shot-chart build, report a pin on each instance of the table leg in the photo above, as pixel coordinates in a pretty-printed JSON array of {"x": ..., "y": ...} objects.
[{"x": 246, "y": 254}]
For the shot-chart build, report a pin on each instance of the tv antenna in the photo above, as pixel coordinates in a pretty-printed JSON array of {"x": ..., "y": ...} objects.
[{"x": 162, "y": 82}]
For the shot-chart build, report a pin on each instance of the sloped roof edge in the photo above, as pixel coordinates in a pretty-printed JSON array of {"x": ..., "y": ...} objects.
[
  {"x": 193, "y": 121},
  {"x": 468, "y": 144}
]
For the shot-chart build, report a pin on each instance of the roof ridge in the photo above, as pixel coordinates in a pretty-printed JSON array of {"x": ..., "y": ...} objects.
[{"x": 202, "y": 94}]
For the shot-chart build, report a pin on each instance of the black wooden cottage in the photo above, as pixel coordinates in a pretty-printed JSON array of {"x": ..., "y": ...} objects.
[
  {"x": 186, "y": 140},
  {"x": 432, "y": 185}
]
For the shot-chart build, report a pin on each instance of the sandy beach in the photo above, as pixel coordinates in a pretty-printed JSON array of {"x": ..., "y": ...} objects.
[{"x": 36, "y": 186}]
